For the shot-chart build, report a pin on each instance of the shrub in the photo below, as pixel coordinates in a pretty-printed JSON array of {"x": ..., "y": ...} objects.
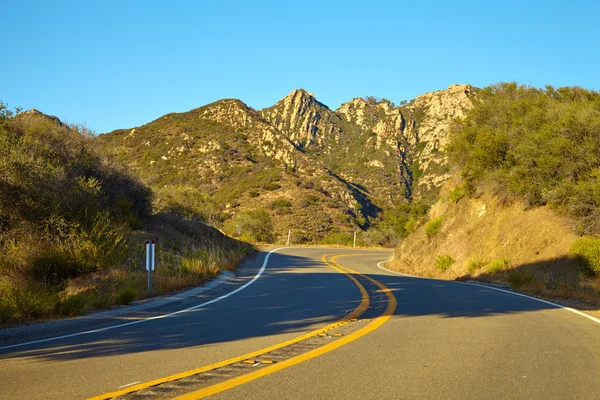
[
  {"x": 498, "y": 265},
  {"x": 339, "y": 238},
  {"x": 7, "y": 301},
  {"x": 540, "y": 145},
  {"x": 272, "y": 186},
  {"x": 587, "y": 252},
  {"x": 75, "y": 304},
  {"x": 34, "y": 302},
  {"x": 380, "y": 237},
  {"x": 474, "y": 264},
  {"x": 281, "y": 203},
  {"x": 253, "y": 193},
  {"x": 433, "y": 227},
  {"x": 520, "y": 278},
  {"x": 457, "y": 193},
  {"x": 257, "y": 224},
  {"x": 312, "y": 199},
  {"x": 443, "y": 262},
  {"x": 126, "y": 295}
]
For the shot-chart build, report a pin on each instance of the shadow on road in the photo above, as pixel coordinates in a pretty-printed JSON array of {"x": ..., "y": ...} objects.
[{"x": 284, "y": 300}]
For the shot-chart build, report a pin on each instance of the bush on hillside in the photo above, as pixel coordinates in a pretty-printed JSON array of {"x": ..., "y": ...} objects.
[
  {"x": 540, "y": 145},
  {"x": 443, "y": 262},
  {"x": 587, "y": 252},
  {"x": 434, "y": 227},
  {"x": 518, "y": 279},
  {"x": 498, "y": 265},
  {"x": 401, "y": 220},
  {"x": 257, "y": 224},
  {"x": 65, "y": 208}
]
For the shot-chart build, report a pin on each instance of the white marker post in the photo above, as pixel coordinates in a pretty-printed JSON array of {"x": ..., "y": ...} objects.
[
  {"x": 150, "y": 262},
  {"x": 289, "y": 236},
  {"x": 354, "y": 239}
]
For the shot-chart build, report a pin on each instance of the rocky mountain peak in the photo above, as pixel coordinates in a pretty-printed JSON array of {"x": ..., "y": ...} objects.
[
  {"x": 302, "y": 118},
  {"x": 300, "y": 94},
  {"x": 33, "y": 113}
]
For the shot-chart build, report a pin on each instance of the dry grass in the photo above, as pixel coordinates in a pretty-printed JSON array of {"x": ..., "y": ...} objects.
[
  {"x": 192, "y": 254},
  {"x": 527, "y": 248}
]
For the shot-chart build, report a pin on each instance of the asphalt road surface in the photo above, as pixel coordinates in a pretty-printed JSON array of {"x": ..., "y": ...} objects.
[{"x": 386, "y": 336}]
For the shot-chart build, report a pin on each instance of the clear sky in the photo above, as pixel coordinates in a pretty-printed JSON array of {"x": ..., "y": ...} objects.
[{"x": 120, "y": 64}]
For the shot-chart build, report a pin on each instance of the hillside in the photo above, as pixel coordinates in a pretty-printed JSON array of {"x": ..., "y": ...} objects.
[
  {"x": 306, "y": 168},
  {"x": 524, "y": 209},
  {"x": 73, "y": 222}
]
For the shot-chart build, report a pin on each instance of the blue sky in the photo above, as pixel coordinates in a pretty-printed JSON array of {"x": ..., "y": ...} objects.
[{"x": 120, "y": 64}]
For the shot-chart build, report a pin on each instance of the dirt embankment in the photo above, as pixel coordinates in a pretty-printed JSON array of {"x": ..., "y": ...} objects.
[{"x": 484, "y": 239}]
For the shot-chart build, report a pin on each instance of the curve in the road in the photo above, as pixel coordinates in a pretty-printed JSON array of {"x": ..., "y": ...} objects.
[
  {"x": 239, "y": 380},
  {"x": 591, "y": 318}
]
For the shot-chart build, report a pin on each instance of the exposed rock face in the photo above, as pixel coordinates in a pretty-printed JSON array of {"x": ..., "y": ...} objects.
[
  {"x": 346, "y": 164},
  {"x": 436, "y": 112},
  {"x": 404, "y": 143},
  {"x": 380, "y": 117},
  {"x": 303, "y": 119}
]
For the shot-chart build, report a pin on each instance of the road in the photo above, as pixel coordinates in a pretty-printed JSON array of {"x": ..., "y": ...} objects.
[{"x": 334, "y": 325}]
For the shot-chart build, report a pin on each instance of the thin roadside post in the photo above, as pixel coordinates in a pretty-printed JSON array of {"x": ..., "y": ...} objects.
[
  {"x": 289, "y": 236},
  {"x": 354, "y": 246},
  {"x": 150, "y": 246}
]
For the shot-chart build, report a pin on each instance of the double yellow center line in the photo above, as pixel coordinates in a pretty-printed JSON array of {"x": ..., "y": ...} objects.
[{"x": 219, "y": 387}]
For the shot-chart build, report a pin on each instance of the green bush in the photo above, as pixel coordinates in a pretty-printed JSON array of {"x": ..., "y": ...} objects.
[
  {"x": 498, "y": 265},
  {"x": 380, "y": 237},
  {"x": 339, "y": 238},
  {"x": 433, "y": 227},
  {"x": 253, "y": 193},
  {"x": 126, "y": 295},
  {"x": 74, "y": 304},
  {"x": 281, "y": 203},
  {"x": 34, "y": 302},
  {"x": 587, "y": 252},
  {"x": 443, "y": 262},
  {"x": 457, "y": 193},
  {"x": 257, "y": 224},
  {"x": 520, "y": 278},
  {"x": 7, "y": 301},
  {"x": 540, "y": 145},
  {"x": 272, "y": 186},
  {"x": 475, "y": 264}
]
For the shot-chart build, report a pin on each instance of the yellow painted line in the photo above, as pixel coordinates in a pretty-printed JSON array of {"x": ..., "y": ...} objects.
[
  {"x": 359, "y": 310},
  {"x": 376, "y": 323}
]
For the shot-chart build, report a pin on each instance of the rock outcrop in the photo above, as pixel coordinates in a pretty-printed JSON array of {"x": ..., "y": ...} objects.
[{"x": 345, "y": 165}]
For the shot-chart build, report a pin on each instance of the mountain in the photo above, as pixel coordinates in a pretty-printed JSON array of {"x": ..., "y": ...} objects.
[
  {"x": 315, "y": 171},
  {"x": 373, "y": 143}
]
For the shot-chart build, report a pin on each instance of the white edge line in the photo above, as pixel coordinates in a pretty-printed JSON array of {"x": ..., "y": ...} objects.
[
  {"x": 596, "y": 320},
  {"x": 129, "y": 384},
  {"x": 139, "y": 321}
]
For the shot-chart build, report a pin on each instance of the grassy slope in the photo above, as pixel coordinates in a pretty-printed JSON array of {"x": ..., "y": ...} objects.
[
  {"x": 527, "y": 248},
  {"x": 72, "y": 227},
  {"x": 222, "y": 161}
]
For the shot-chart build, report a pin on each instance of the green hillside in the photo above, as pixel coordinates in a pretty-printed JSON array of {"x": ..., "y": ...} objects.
[{"x": 73, "y": 222}]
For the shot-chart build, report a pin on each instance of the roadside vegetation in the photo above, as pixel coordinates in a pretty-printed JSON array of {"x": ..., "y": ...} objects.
[
  {"x": 537, "y": 145},
  {"x": 443, "y": 262},
  {"x": 524, "y": 206},
  {"x": 72, "y": 226}
]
